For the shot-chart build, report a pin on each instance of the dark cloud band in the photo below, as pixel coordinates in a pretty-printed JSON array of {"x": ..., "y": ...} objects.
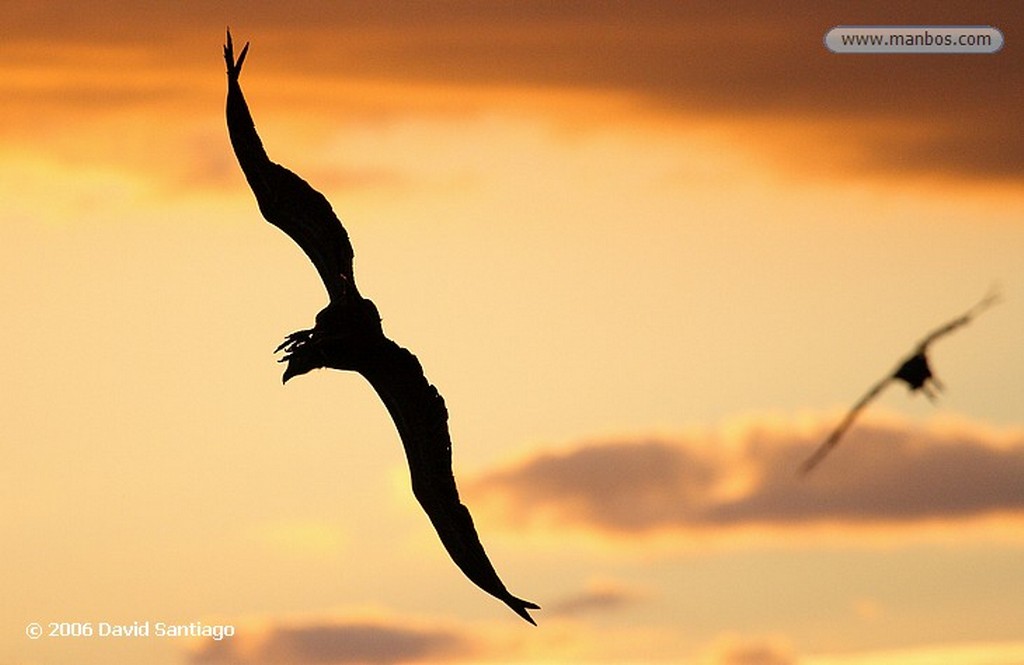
[
  {"x": 953, "y": 116},
  {"x": 886, "y": 474},
  {"x": 339, "y": 642}
]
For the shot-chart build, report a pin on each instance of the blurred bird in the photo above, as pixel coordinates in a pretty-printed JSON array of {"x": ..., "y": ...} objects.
[{"x": 914, "y": 371}]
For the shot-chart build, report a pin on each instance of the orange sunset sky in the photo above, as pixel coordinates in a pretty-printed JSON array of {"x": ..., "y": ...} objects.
[{"x": 649, "y": 253}]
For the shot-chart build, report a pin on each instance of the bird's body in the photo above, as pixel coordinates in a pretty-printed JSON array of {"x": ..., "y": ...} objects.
[
  {"x": 914, "y": 371},
  {"x": 348, "y": 335}
]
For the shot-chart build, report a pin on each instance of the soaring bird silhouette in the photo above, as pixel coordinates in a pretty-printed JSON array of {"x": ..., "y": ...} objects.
[
  {"x": 913, "y": 370},
  {"x": 347, "y": 335}
]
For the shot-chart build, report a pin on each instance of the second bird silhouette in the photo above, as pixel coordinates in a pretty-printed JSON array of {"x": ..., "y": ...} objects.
[{"x": 913, "y": 370}]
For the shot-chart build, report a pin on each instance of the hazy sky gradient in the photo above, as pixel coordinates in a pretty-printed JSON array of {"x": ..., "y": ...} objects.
[{"x": 649, "y": 253}]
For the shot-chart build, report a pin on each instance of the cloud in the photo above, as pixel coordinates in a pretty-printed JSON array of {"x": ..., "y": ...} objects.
[
  {"x": 756, "y": 655},
  {"x": 365, "y": 641},
  {"x": 948, "y": 115},
  {"x": 885, "y": 472},
  {"x": 778, "y": 650},
  {"x": 749, "y": 651},
  {"x": 990, "y": 653},
  {"x": 599, "y": 596}
]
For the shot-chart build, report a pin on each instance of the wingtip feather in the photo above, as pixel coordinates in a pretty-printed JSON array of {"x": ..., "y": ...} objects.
[{"x": 520, "y": 607}]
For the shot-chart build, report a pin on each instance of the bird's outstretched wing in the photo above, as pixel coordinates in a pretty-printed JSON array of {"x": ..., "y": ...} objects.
[
  {"x": 828, "y": 444},
  {"x": 286, "y": 200},
  {"x": 421, "y": 418},
  {"x": 992, "y": 298}
]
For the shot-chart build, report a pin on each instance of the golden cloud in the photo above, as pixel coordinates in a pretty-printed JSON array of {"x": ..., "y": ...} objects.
[
  {"x": 951, "y": 115},
  {"x": 887, "y": 472},
  {"x": 338, "y": 641}
]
